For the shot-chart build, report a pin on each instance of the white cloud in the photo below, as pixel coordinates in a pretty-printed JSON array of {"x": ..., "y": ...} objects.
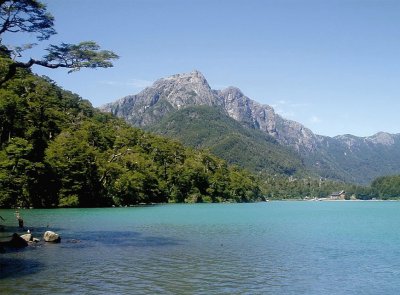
[
  {"x": 135, "y": 83},
  {"x": 315, "y": 120},
  {"x": 287, "y": 108},
  {"x": 220, "y": 86},
  {"x": 289, "y": 104},
  {"x": 112, "y": 83},
  {"x": 299, "y": 105},
  {"x": 139, "y": 83},
  {"x": 278, "y": 104},
  {"x": 284, "y": 113}
]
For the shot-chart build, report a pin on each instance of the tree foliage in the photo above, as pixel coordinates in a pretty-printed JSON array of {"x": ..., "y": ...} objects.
[
  {"x": 57, "y": 150},
  {"x": 387, "y": 187},
  {"x": 209, "y": 128},
  {"x": 31, "y": 16},
  {"x": 26, "y": 16},
  {"x": 76, "y": 56}
]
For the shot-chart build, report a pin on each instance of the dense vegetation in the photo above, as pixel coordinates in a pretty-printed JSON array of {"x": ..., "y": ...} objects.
[
  {"x": 386, "y": 187},
  {"x": 283, "y": 175},
  {"x": 57, "y": 150},
  {"x": 359, "y": 162},
  {"x": 208, "y": 127},
  {"x": 281, "y": 187}
]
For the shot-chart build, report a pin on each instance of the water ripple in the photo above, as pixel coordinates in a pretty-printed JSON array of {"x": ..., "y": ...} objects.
[{"x": 279, "y": 248}]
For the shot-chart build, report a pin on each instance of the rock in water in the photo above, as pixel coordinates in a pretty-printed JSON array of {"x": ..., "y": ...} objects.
[
  {"x": 15, "y": 242},
  {"x": 51, "y": 237},
  {"x": 27, "y": 237}
]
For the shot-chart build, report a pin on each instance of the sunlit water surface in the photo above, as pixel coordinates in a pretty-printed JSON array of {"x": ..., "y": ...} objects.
[{"x": 261, "y": 248}]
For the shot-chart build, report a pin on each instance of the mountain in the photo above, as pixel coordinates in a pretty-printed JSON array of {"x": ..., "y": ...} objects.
[
  {"x": 363, "y": 158},
  {"x": 346, "y": 157},
  {"x": 210, "y": 128},
  {"x": 56, "y": 150},
  {"x": 191, "y": 89},
  {"x": 223, "y": 127}
]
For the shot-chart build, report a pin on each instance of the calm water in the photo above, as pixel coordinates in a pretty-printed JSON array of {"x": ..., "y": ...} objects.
[{"x": 263, "y": 248}]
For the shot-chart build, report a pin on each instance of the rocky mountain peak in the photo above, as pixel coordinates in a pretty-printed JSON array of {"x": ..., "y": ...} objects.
[
  {"x": 194, "y": 77},
  {"x": 190, "y": 89},
  {"x": 329, "y": 157},
  {"x": 348, "y": 140},
  {"x": 232, "y": 93},
  {"x": 382, "y": 138},
  {"x": 164, "y": 96},
  {"x": 186, "y": 89}
]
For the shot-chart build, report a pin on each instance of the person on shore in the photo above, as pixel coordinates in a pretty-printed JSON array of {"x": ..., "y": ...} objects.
[
  {"x": 1, "y": 227},
  {"x": 20, "y": 220}
]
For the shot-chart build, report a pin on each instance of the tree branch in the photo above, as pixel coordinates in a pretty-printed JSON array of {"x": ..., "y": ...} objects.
[
  {"x": 28, "y": 16},
  {"x": 71, "y": 56},
  {"x": 31, "y": 16}
]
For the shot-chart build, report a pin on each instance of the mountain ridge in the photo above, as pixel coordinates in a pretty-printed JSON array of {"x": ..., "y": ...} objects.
[
  {"x": 208, "y": 128},
  {"x": 168, "y": 95}
]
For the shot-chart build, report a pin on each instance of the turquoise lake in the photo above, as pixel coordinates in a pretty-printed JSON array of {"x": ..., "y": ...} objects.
[{"x": 260, "y": 248}]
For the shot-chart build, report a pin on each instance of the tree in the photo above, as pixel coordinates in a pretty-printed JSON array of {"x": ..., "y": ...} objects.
[
  {"x": 31, "y": 16},
  {"x": 74, "y": 162},
  {"x": 386, "y": 187},
  {"x": 14, "y": 179}
]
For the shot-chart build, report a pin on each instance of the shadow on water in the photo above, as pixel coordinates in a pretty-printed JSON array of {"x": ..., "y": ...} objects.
[
  {"x": 118, "y": 239},
  {"x": 16, "y": 267}
]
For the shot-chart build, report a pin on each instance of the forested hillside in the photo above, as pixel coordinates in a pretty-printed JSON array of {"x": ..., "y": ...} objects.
[
  {"x": 386, "y": 187},
  {"x": 57, "y": 150},
  {"x": 211, "y": 128},
  {"x": 253, "y": 135}
]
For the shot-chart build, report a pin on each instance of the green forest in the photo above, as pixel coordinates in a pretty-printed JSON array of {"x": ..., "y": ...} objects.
[
  {"x": 386, "y": 187},
  {"x": 58, "y": 151},
  {"x": 209, "y": 127}
]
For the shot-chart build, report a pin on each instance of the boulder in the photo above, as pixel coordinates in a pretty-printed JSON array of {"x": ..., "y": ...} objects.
[
  {"x": 15, "y": 242},
  {"x": 27, "y": 237},
  {"x": 51, "y": 237}
]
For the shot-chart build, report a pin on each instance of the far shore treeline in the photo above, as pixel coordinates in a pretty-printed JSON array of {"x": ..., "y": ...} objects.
[{"x": 56, "y": 150}]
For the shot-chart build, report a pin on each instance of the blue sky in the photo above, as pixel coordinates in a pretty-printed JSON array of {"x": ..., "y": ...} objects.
[{"x": 332, "y": 65}]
